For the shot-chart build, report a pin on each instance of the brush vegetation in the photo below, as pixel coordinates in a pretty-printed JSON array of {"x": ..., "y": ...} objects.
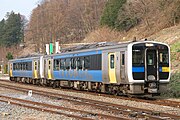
[{"x": 173, "y": 87}]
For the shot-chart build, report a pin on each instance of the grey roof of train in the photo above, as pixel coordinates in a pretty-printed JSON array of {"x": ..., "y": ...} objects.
[
  {"x": 97, "y": 46},
  {"x": 85, "y": 48},
  {"x": 28, "y": 57},
  {"x": 91, "y": 47}
]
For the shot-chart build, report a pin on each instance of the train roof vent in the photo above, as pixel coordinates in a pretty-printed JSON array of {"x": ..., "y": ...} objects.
[
  {"x": 31, "y": 55},
  {"x": 89, "y": 46}
]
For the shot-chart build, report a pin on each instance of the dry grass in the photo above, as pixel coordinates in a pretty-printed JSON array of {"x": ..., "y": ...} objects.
[{"x": 169, "y": 35}]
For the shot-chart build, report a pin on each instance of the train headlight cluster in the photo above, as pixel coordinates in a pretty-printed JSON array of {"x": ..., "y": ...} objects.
[{"x": 149, "y": 44}]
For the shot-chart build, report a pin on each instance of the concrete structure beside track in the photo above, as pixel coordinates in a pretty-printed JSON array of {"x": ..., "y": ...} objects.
[{"x": 4, "y": 76}]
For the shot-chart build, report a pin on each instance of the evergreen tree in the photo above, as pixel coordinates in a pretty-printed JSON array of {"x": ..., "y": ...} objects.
[
  {"x": 2, "y": 25},
  {"x": 11, "y": 29},
  {"x": 110, "y": 13},
  {"x": 9, "y": 56}
]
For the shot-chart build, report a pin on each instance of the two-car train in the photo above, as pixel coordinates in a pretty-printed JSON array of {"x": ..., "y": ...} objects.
[{"x": 124, "y": 68}]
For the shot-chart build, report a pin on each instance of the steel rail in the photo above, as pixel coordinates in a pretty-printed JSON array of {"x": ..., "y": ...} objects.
[
  {"x": 22, "y": 101},
  {"x": 103, "y": 105}
]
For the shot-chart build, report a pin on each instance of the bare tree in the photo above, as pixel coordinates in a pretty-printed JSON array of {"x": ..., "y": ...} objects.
[{"x": 64, "y": 20}]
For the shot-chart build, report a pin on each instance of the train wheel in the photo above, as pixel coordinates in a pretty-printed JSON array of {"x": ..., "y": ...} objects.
[
  {"x": 55, "y": 84},
  {"x": 34, "y": 82}
]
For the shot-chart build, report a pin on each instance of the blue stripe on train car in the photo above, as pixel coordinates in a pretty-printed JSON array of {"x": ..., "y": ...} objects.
[
  {"x": 21, "y": 73},
  {"x": 137, "y": 69},
  {"x": 87, "y": 75},
  {"x": 79, "y": 54},
  {"x": 160, "y": 69}
]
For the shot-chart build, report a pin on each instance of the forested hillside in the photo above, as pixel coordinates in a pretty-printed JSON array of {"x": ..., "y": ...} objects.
[
  {"x": 64, "y": 20},
  {"x": 69, "y": 21}
]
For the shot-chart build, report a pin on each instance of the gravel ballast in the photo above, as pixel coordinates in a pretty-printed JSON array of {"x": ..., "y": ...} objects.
[{"x": 8, "y": 111}]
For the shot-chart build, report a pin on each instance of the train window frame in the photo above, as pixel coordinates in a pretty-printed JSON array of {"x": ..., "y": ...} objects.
[
  {"x": 123, "y": 59},
  {"x": 29, "y": 66},
  {"x": 79, "y": 63},
  {"x": 13, "y": 64},
  {"x": 67, "y": 63},
  {"x": 35, "y": 65},
  {"x": 91, "y": 62},
  {"x": 150, "y": 57},
  {"x": 56, "y": 65},
  {"x": 138, "y": 57},
  {"x": 24, "y": 66},
  {"x": 73, "y": 63},
  {"x": 38, "y": 65},
  {"x": 49, "y": 64},
  {"x": 86, "y": 62},
  {"x": 164, "y": 57},
  {"x": 19, "y": 66},
  {"x": 112, "y": 61},
  {"x": 62, "y": 65},
  {"x": 95, "y": 62}
]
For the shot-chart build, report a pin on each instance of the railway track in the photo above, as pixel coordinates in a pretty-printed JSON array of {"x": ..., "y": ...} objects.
[
  {"x": 115, "y": 108},
  {"x": 79, "y": 114},
  {"x": 158, "y": 101}
]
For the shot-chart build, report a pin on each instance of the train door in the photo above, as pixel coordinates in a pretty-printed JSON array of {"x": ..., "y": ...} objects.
[
  {"x": 49, "y": 63},
  {"x": 122, "y": 67},
  {"x": 10, "y": 69},
  {"x": 41, "y": 67},
  {"x": 151, "y": 64},
  {"x": 36, "y": 69},
  {"x": 112, "y": 67}
]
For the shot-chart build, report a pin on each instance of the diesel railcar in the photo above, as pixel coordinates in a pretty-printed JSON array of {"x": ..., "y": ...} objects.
[
  {"x": 123, "y": 68},
  {"x": 26, "y": 69}
]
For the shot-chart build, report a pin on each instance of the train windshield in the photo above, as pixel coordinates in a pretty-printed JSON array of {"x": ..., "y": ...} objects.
[
  {"x": 138, "y": 62},
  {"x": 163, "y": 57},
  {"x": 163, "y": 62},
  {"x": 138, "y": 57}
]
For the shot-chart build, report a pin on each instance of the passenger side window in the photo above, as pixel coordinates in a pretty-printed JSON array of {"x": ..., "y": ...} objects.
[
  {"x": 73, "y": 63},
  {"x": 67, "y": 64},
  {"x": 56, "y": 64},
  {"x": 86, "y": 62},
  {"x": 29, "y": 66},
  {"x": 62, "y": 64},
  {"x": 79, "y": 63}
]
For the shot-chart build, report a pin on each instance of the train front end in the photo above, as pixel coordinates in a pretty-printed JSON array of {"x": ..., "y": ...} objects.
[{"x": 148, "y": 67}]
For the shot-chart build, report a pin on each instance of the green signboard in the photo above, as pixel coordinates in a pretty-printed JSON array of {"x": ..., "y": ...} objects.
[{"x": 51, "y": 48}]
